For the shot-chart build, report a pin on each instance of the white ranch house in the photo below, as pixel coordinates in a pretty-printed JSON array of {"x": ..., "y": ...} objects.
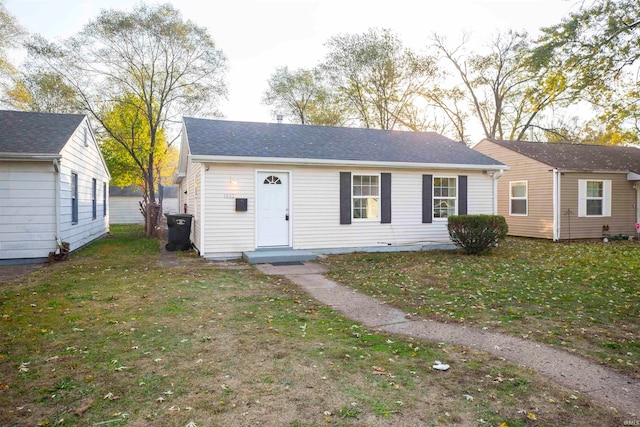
[
  {"x": 259, "y": 187},
  {"x": 53, "y": 185}
]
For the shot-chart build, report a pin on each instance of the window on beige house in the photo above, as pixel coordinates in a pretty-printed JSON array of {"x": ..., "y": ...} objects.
[
  {"x": 594, "y": 197},
  {"x": 518, "y": 198}
]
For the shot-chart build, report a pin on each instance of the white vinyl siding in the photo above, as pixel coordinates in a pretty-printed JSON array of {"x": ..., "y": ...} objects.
[
  {"x": 28, "y": 201},
  {"x": 27, "y": 209},
  {"x": 315, "y": 209},
  {"x": 81, "y": 155},
  {"x": 594, "y": 198},
  {"x": 126, "y": 209},
  {"x": 518, "y": 198}
]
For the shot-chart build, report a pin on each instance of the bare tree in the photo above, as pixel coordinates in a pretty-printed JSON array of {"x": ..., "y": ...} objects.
[
  {"x": 505, "y": 95},
  {"x": 376, "y": 76},
  {"x": 151, "y": 59}
]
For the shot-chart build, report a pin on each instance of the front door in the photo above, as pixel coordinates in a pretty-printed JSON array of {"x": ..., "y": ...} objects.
[{"x": 273, "y": 209}]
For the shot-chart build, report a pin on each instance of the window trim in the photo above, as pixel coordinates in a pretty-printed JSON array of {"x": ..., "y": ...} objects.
[
  {"x": 525, "y": 198},
  {"x": 353, "y": 197},
  {"x": 433, "y": 196},
  {"x": 75, "y": 182}
]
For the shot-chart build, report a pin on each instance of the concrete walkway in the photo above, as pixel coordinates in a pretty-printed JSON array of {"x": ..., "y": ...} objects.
[{"x": 578, "y": 374}]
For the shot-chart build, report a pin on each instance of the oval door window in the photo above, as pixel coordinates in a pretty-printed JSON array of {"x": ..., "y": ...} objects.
[{"x": 272, "y": 179}]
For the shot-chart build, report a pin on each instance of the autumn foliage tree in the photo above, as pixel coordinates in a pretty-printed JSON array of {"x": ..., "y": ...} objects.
[{"x": 136, "y": 73}]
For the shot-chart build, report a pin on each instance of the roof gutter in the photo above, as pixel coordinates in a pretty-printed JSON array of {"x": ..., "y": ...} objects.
[
  {"x": 332, "y": 162},
  {"x": 27, "y": 157},
  {"x": 589, "y": 170}
]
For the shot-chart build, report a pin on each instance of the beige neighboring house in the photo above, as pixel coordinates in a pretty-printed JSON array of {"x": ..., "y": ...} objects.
[
  {"x": 565, "y": 191},
  {"x": 124, "y": 203}
]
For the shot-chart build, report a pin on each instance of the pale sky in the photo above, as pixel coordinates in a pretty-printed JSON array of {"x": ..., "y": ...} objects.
[{"x": 257, "y": 36}]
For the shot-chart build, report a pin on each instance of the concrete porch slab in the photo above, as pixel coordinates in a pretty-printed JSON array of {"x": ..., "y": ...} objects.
[{"x": 267, "y": 256}]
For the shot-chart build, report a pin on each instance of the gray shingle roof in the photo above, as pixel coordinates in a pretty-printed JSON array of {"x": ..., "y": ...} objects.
[
  {"x": 578, "y": 156},
  {"x": 36, "y": 133},
  {"x": 278, "y": 140}
]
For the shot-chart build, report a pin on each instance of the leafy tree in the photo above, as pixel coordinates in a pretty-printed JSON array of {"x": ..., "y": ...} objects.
[
  {"x": 594, "y": 53},
  {"x": 42, "y": 91},
  {"x": 301, "y": 96},
  {"x": 376, "y": 77},
  {"x": 504, "y": 94},
  {"x": 11, "y": 34},
  {"x": 158, "y": 64}
]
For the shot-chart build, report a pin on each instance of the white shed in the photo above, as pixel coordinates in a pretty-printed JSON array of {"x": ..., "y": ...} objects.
[
  {"x": 124, "y": 203},
  {"x": 53, "y": 185},
  {"x": 272, "y": 186}
]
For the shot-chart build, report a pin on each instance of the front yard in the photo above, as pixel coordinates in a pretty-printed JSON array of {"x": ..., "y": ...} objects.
[
  {"x": 113, "y": 338},
  {"x": 584, "y": 297}
]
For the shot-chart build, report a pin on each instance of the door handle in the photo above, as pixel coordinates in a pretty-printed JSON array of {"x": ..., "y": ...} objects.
[{"x": 286, "y": 217}]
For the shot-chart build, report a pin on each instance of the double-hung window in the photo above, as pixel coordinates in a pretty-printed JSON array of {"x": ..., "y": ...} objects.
[
  {"x": 444, "y": 196},
  {"x": 94, "y": 199},
  {"x": 366, "y": 196},
  {"x": 594, "y": 197},
  {"x": 104, "y": 199},
  {"x": 74, "y": 198},
  {"x": 518, "y": 198}
]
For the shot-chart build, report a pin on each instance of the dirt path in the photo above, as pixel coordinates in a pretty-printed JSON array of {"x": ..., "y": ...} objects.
[{"x": 572, "y": 371}]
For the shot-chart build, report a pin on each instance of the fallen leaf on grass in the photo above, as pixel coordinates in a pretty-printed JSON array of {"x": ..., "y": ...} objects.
[
  {"x": 468, "y": 397},
  {"x": 84, "y": 408},
  {"x": 24, "y": 367},
  {"x": 532, "y": 416}
]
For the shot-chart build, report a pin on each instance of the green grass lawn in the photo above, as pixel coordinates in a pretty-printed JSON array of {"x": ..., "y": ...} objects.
[
  {"x": 112, "y": 338},
  {"x": 584, "y": 297}
]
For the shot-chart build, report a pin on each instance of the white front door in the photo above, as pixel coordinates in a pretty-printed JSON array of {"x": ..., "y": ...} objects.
[{"x": 273, "y": 209}]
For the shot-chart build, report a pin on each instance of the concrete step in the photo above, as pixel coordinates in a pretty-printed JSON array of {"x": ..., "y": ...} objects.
[{"x": 268, "y": 256}]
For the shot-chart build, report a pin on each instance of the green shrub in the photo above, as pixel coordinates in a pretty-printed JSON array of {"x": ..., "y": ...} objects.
[{"x": 477, "y": 233}]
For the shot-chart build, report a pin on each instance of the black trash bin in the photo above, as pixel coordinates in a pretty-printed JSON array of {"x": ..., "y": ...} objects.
[{"x": 179, "y": 232}]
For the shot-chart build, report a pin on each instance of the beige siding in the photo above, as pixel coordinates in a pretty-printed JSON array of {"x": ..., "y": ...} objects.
[
  {"x": 315, "y": 210},
  {"x": 81, "y": 155},
  {"x": 623, "y": 210},
  {"x": 27, "y": 209},
  {"x": 539, "y": 220}
]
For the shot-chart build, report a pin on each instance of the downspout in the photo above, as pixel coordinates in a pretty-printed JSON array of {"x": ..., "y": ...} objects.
[
  {"x": 56, "y": 174},
  {"x": 556, "y": 205},
  {"x": 496, "y": 177},
  {"x": 203, "y": 169},
  {"x": 637, "y": 187}
]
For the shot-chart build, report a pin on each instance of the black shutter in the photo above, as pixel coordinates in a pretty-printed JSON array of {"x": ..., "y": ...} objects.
[
  {"x": 462, "y": 195},
  {"x": 345, "y": 197},
  {"x": 385, "y": 198},
  {"x": 427, "y": 199}
]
